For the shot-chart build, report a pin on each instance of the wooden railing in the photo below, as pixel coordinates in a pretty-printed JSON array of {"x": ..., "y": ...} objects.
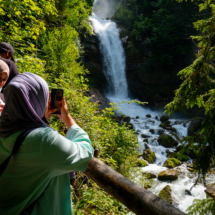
[{"x": 133, "y": 196}]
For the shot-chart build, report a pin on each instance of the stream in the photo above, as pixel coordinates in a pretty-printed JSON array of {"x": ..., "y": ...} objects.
[{"x": 117, "y": 91}]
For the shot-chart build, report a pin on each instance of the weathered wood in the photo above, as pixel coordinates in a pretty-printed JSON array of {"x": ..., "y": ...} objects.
[{"x": 136, "y": 198}]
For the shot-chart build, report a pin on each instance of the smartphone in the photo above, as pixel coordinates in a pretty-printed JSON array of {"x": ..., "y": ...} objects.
[{"x": 56, "y": 100}]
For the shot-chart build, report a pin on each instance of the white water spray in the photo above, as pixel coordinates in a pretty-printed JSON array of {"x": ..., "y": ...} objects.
[{"x": 113, "y": 56}]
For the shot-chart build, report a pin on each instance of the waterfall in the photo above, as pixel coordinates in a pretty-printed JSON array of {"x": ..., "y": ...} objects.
[{"x": 113, "y": 56}]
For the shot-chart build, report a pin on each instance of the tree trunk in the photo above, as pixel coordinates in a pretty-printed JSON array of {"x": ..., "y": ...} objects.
[{"x": 133, "y": 196}]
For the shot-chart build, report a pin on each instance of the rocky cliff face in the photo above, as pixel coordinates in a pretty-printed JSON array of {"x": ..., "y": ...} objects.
[{"x": 93, "y": 61}]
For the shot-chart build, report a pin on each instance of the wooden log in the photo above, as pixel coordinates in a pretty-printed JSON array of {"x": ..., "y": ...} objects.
[{"x": 133, "y": 196}]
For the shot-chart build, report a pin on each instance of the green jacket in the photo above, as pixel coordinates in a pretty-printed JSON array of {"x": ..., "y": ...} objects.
[{"x": 39, "y": 171}]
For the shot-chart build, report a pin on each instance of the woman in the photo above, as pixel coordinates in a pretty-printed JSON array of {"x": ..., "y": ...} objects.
[
  {"x": 38, "y": 174},
  {"x": 4, "y": 75}
]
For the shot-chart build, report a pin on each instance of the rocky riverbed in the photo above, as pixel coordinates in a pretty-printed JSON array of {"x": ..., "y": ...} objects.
[{"x": 163, "y": 168}]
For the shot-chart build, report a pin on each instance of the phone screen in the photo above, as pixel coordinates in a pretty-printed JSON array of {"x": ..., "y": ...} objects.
[{"x": 56, "y": 100}]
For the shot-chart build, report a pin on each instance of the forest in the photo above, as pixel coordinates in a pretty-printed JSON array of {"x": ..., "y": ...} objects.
[{"x": 165, "y": 37}]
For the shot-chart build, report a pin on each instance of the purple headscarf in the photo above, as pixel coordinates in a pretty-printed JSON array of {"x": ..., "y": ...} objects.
[{"x": 26, "y": 97}]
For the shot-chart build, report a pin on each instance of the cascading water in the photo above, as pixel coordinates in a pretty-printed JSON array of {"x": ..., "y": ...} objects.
[
  {"x": 113, "y": 56},
  {"x": 114, "y": 69}
]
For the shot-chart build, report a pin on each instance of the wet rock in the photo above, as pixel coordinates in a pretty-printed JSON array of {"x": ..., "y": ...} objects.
[
  {"x": 172, "y": 163},
  {"x": 187, "y": 192},
  {"x": 168, "y": 127},
  {"x": 210, "y": 190},
  {"x": 167, "y": 141},
  {"x": 137, "y": 117},
  {"x": 160, "y": 131},
  {"x": 145, "y": 136},
  {"x": 164, "y": 118},
  {"x": 146, "y": 146},
  {"x": 141, "y": 163},
  {"x": 149, "y": 175},
  {"x": 137, "y": 132},
  {"x": 194, "y": 126},
  {"x": 146, "y": 140},
  {"x": 169, "y": 175},
  {"x": 149, "y": 156},
  {"x": 152, "y": 121},
  {"x": 152, "y": 131},
  {"x": 156, "y": 118},
  {"x": 167, "y": 151},
  {"x": 126, "y": 119},
  {"x": 148, "y": 116},
  {"x": 166, "y": 194}
]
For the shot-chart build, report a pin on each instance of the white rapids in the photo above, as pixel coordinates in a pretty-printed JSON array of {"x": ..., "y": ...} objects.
[{"x": 115, "y": 72}]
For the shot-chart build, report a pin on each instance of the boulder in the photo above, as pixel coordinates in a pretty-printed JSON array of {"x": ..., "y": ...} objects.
[
  {"x": 187, "y": 192},
  {"x": 166, "y": 194},
  {"x": 194, "y": 126},
  {"x": 126, "y": 119},
  {"x": 172, "y": 163},
  {"x": 164, "y": 118},
  {"x": 149, "y": 175},
  {"x": 146, "y": 146},
  {"x": 148, "y": 116},
  {"x": 145, "y": 136},
  {"x": 210, "y": 190},
  {"x": 137, "y": 117},
  {"x": 141, "y": 163},
  {"x": 167, "y": 141},
  {"x": 168, "y": 127},
  {"x": 179, "y": 156},
  {"x": 152, "y": 131},
  {"x": 146, "y": 140},
  {"x": 172, "y": 155},
  {"x": 156, "y": 118},
  {"x": 160, "y": 131},
  {"x": 168, "y": 175},
  {"x": 149, "y": 156}
]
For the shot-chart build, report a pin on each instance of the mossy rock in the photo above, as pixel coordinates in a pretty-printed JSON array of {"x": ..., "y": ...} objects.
[
  {"x": 172, "y": 163},
  {"x": 166, "y": 194},
  {"x": 149, "y": 156},
  {"x": 149, "y": 175},
  {"x": 141, "y": 163},
  {"x": 126, "y": 118},
  {"x": 152, "y": 131},
  {"x": 169, "y": 175},
  {"x": 145, "y": 136},
  {"x": 210, "y": 191},
  {"x": 148, "y": 116},
  {"x": 146, "y": 140},
  {"x": 164, "y": 118},
  {"x": 147, "y": 186},
  {"x": 167, "y": 141},
  {"x": 172, "y": 155},
  {"x": 160, "y": 131}
]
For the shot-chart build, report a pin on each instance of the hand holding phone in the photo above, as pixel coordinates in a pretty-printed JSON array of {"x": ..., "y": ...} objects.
[{"x": 56, "y": 100}]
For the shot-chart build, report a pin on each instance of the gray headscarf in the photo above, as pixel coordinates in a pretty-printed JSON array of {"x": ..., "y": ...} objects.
[{"x": 26, "y": 97}]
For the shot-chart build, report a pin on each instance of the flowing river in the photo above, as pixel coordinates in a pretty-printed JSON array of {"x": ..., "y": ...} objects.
[{"x": 115, "y": 72}]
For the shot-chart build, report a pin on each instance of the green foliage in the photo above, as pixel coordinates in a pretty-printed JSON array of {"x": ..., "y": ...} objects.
[
  {"x": 45, "y": 35},
  {"x": 197, "y": 89},
  {"x": 160, "y": 30},
  {"x": 202, "y": 207}
]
